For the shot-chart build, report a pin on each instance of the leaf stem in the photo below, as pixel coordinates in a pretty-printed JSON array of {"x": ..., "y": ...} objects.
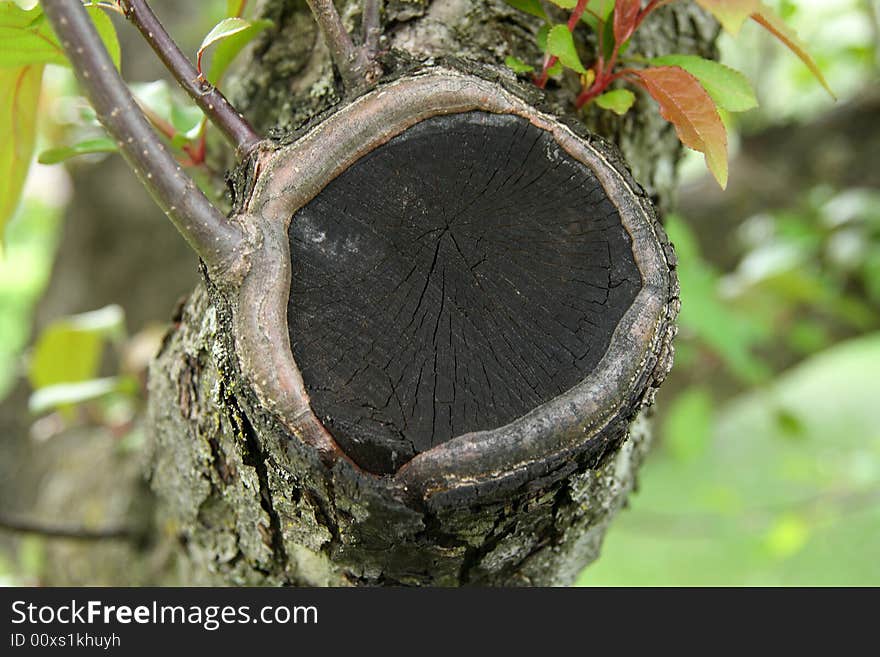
[
  {"x": 212, "y": 102},
  {"x": 208, "y": 232},
  {"x": 195, "y": 153},
  {"x": 576, "y": 14}
]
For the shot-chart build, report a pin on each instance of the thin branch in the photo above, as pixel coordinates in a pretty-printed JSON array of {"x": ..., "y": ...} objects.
[
  {"x": 371, "y": 23},
  {"x": 343, "y": 52},
  {"x": 203, "y": 226},
  {"x": 213, "y": 103},
  {"x": 64, "y": 531}
]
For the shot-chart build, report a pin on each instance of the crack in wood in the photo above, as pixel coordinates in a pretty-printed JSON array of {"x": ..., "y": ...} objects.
[{"x": 470, "y": 270}]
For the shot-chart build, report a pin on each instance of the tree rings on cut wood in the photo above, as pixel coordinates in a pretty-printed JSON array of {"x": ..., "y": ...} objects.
[
  {"x": 455, "y": 278},
  {"x": 453, "y": 288}
]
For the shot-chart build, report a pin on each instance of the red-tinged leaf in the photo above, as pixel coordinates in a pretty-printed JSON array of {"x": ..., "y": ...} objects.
[
  {"x": 730, "y": 13},
  {"x": 769, "y": 19},
  {"x": 625, "y": 14},
  {"x": 686, "y": 105}
]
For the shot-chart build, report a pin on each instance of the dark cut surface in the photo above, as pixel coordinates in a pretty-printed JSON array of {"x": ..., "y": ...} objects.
[{"x": 451, "y": 281}]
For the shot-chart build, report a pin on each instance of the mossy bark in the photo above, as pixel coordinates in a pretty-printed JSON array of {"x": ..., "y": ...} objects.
[{"x": 249, "y": 504}]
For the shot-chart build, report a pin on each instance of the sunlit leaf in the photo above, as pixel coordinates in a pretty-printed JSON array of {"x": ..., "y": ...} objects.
[
  {"x": 728, "y": 88},
  {"x": 107, "y": 32},
  {"x": 686, "y": 105},
  {"x": 27, "y": 36},
  {"x": 227, "y": 49},
  {"x": 618, "y": 101},
  {"x": 62, "y": 153},
  {"x": 730, "y": 13},
  {"x": 19, "y": 96},
  {"x": 517, "y": 65},
  {"x": 62, "y": 395},
  {"x": 532, "y": 7},
  {"x": 64, "y": 354},
  {"x": 597, "y": 10},
  {"x": 770, "y": 20},
  {"x": 561, "y": 44},
  {"x": 108, "y": 322},
  {"x": 69, "y": 349},
  {"x": 222, "y": 30}
]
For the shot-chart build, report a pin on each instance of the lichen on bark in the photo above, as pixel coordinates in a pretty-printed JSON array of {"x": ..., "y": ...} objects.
[{"x": 243, "y": 518}]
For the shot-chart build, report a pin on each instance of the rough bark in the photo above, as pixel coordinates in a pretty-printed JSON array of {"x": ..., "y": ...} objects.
[{"x": 251, "y": 504}]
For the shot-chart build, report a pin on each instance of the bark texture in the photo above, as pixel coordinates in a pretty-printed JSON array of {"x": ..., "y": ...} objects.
[
  {"x": 245, "y": 519},
  {"x": 250, "y": 505}
]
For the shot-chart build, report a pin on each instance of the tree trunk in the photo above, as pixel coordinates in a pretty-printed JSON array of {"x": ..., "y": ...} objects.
[{"x": 269, "y": 470}]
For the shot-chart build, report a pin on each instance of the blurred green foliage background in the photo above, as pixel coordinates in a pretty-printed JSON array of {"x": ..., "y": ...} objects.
[{"x": 766, "y": 470}]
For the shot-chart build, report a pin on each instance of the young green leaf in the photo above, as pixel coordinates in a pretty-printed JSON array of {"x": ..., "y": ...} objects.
[
  {"x": 55, "y": 155},
  {"x": 686, "y": 105},
  {"x": 771, "y": 21},
  {"x": 565, "y": 4},
  {"x": 517, "y": 65},
  {"x": 625, "y": 14},
  {"x": 728, "y": 88},
  {"x": 19, "y": 95},
  {"x": 532, "y": 7},
  {"x": 107, "y": 32},
  {"x": 222, "y": 30},
  {"x": 69, "y": 349},
  {"x": 561, "y": 44},
  {"x": 227, "y": 49},
  {"x": 555, "y": 70},
  {"x": 597, "y": 10},
  {"x": 64, "y": 355},
  {"x": 541, "y": 36},
  {"x": 730, "y": 13},
  {"x": 28, "y": 38},
  {"x": 618, "y": 101}
]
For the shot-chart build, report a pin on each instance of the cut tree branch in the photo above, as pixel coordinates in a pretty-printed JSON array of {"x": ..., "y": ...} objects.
[
  {"x": 211, "y": 101},
  {"x": 216, "y": 240}
]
